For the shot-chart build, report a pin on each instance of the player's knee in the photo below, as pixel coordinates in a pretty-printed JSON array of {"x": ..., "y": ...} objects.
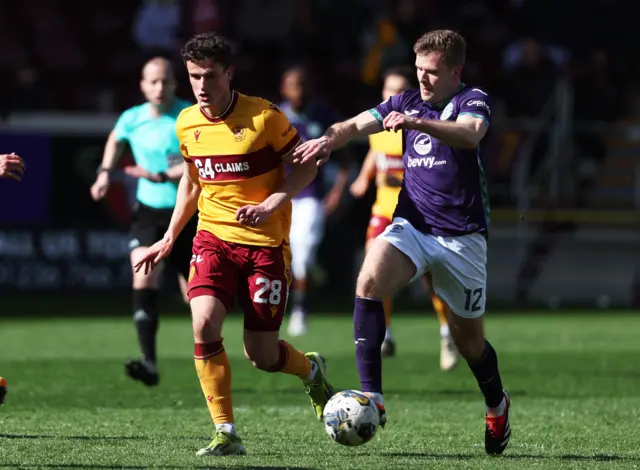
[{"x": 368, "y": 285}]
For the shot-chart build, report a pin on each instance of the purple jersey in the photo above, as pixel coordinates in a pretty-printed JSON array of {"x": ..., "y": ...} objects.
[
  {"x": 311, "y": 124},
  {"x": 444, "y": 191}
]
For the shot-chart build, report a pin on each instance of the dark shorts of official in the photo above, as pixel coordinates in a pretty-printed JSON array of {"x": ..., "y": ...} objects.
[
  {"x": 150, "y": 225},
  {"x": 258, "y": 276}
]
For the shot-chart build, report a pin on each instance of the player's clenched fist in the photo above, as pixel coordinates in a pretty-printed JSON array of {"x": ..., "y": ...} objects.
[
  {"x": 396, "y": 121},
  {"x": 11, "y": 166},
  {"x": 253, "y": 214},
  {"x": 317, "y": 149},
  {"x": 150, "y": 258}
]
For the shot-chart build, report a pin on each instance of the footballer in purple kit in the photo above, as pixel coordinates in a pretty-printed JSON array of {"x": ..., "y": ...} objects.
[{"x": 441, "y": 221}]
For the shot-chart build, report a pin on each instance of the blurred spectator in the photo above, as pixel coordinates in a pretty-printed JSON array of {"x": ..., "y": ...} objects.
[
  {"x": 530, "y": 82},
  {"x": 156, "y": 27},
  {"x": 390, "y": 41},
  {"x": 596, "y": 98},
  {"x": 27, "y": 93}
]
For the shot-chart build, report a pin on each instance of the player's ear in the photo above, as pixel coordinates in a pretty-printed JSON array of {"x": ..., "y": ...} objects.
[
  {"x": 457, "y": 71},
  {"x": 229, "y": 72}
]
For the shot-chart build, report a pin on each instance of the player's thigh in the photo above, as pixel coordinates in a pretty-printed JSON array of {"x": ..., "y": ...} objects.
[
  {"x": 392, "y": 261},
  {"x": 459, "y": 278},
  {"x": 264, "y": 288},
  {"x": 262, "y": 348},
  {"x": 212, "y": 284}
]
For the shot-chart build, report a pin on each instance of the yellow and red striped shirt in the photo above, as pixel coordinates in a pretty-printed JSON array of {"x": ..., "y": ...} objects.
[{"x": 239, "y": 159}]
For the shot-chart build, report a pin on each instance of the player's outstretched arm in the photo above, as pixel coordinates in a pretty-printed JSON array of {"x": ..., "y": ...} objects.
[
  {"x": 301, "y": 175},
  {"x": 186, "y": 205},
  {"x": 186, "y": 200},
  {"x": 11, "y": 166},
  {"x": 466, "y": 132},
  {"x": 335, "y": 137}
]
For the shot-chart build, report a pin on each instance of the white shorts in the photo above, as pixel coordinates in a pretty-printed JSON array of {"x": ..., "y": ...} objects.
[
  {"x": 458, "y": 265},
  {"x": 307, "y": 230}
]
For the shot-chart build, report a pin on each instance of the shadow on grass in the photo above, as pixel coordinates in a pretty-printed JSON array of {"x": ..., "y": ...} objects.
[{"x": 567, "y": 457}]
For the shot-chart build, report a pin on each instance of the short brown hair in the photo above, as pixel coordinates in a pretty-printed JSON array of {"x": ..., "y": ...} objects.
[
  {"x": 208, "y": 46},
  {"x": 451, "y": 44}
]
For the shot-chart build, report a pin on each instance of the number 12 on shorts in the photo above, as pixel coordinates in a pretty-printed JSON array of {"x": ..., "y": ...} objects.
[
  {"x": 269, "y": 291},
  {"x": 473, "y": 299}
]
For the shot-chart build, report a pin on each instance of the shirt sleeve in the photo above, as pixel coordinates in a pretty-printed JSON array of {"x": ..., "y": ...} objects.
[
  {"x": 476, "y": 104},
  {"x": 395, "y": 103},
  {"x": 122, "y": 128},
  {"x": 282, "y": 136}
]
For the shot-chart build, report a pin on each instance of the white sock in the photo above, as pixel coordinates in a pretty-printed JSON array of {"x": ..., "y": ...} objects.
[
  {"x": 226, "y": 427},
  {"x": 377, "y": 397},
  {"x": 498, "y": 410},
  {"x": 444, "y": 331},
  {"x": 312, "y": 374},
  {"x": 387, "y": 334}
]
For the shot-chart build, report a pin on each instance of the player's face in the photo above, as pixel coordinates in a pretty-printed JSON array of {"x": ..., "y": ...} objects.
[
  {"x": 211, "y": 83},
  {"x": 437, "y": 80},
  {"x": 294, "y": 88},
  {"x": 394, "y": 85},
  {"x": 158, "y": 84}
]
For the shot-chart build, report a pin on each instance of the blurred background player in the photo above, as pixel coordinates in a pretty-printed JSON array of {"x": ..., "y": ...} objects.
[
  {"x": 384, "y": 163},
  {"x": 11, "y": 166},
  {"x": 149, "y": 129},
  {"x": 235, "y": 147},
  {"x": 311, "y": 206}
]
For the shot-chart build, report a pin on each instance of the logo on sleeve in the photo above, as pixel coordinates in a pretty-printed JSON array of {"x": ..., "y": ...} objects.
[
  {"x": 479, "y": 104},
  {"x": 196, "y": 134}
]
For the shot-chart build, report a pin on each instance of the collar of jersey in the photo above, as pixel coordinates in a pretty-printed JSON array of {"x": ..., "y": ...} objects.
[
  {"x": 443, "y": 103},
  {"x": 226, "y": 112}
]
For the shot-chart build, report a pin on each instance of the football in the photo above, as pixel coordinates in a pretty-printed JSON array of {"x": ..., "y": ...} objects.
[{"x": 351, "y": 418}]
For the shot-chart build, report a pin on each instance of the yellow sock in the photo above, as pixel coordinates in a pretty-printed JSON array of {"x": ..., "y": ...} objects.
[
  {"x": 293, "y": 362},
  {"x": 440, "y": 308},
  {"x": 387, "y": 305},
  {"x": 214, "y": 372}
]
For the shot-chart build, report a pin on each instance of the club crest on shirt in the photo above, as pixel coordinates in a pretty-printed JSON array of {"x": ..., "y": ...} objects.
[
  {"x": 447, "y": 112},
  {"x": 239, "y": 132}
]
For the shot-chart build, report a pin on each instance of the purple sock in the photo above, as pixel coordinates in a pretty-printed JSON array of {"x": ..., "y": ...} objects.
[{"x": 368, "y": 332}]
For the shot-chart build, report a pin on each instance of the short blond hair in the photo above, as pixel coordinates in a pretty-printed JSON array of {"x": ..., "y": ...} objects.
[{"x": 451, "y": 44}]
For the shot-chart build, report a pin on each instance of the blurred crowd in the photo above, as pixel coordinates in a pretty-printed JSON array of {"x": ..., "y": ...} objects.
[{"x": 86, "y": 56}]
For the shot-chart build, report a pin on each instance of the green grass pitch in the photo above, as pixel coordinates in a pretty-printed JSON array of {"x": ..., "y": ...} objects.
[{"x": 574, "y": 383}]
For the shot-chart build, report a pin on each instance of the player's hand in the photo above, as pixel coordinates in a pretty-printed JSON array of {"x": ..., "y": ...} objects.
[
  {"x": 150, "y": 257},
  {"x": 138, "y": 172},
  {"x": 253, "y": 215},
  {"x": 100, "y": 187},
  {"x": 314, "y": 149},
  {"x": 359, "y": 187},
  {"x": 11, "y": 166},
  {"x": 396, "y": 121}
]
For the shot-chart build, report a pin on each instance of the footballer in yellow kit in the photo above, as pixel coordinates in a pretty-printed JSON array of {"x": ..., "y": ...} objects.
[
  {"x": 384, "y": 164},
  {"x": 235, "y": 147}
]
